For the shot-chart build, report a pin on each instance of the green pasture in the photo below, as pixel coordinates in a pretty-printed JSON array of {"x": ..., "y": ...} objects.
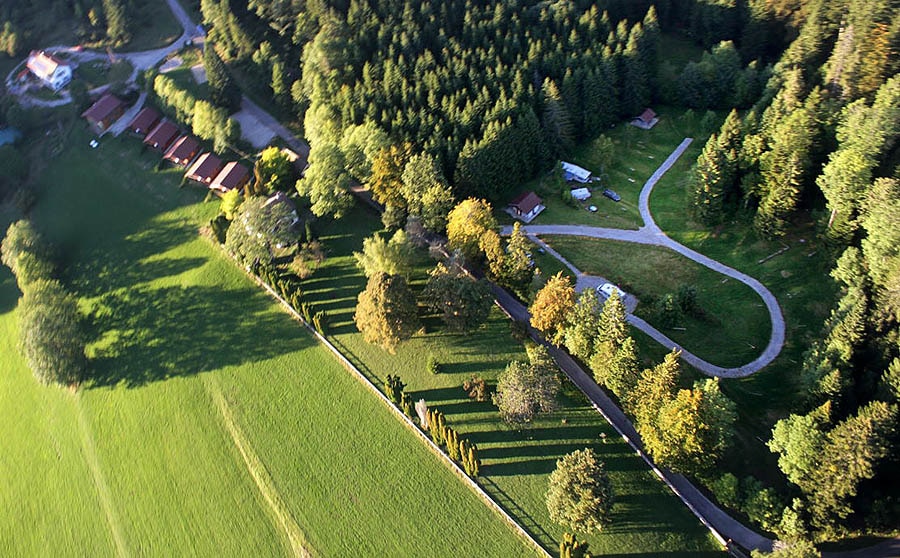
[{"x": 212, "y": 424}]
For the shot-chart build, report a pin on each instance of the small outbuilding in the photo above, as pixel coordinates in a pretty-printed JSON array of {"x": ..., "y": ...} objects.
[
  {"x": 144, "y": 121},
  {"x": 574, "y": 173},
  {"x": 162, "y": 135},
  {"x": 525, "y": 207},
  {"x": 646, "y": 120},
  {"x": 206, "y": 168},
  {"x": 182, "y": 151},
  {"x": 104, "y": 112},
  {"x": 233, "y": 176},
  {"x": 581, "y": 194},
  {"x": 53, "y": 72}
]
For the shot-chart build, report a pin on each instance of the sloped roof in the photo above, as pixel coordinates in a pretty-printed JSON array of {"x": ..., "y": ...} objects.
[
  {"x": 647, "y": 116},
  {"x": 162, "y": 135},
  {"x": 526, "y": 202},
  {"x": 231, "y": 177},
  {"x": 103, "y": 109},
  {"x": 182, "y": 150},
  {"x": 205, "y": 168},
  {"x": 144, "y": 120},
  {"x": 43, "y": 65}
]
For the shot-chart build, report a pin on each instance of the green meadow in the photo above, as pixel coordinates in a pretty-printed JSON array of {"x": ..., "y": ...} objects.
[{"x": 212, "y": 423}]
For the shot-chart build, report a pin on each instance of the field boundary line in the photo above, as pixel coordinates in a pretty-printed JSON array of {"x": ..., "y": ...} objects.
[
  {"x": 260, "y": 475},
  {"x": 406, "y": 421},
  {"x": 103, "y": 492}
]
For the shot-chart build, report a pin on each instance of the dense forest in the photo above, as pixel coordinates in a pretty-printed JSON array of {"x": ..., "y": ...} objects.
[
  {"x": 22, "y": 24},
  {"x": 492, "y": 92}
]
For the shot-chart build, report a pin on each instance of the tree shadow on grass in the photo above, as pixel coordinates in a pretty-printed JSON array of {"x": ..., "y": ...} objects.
[
  {"x": 9, "y": 292},
  {"x": 133, "y": 261},
  {"x": 146, "y": 335}
]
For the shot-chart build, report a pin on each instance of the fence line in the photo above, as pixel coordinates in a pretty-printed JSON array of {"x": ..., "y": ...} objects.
[{"x": 405, "y": 419}]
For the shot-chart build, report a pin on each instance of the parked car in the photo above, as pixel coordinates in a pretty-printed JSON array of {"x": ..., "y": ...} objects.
[
  {"x": 607, "y": 289},
  {"x": 611, "y": 195}
]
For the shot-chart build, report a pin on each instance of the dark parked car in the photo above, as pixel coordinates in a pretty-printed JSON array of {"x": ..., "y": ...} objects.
[{"x": 611, "y": 195}]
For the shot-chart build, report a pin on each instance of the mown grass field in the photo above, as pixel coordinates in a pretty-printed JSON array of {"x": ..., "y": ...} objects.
[
  {"x": 214, "y": 425},
  {"x": 517, "y": 462},
  {"x": 736, "y": 326}
]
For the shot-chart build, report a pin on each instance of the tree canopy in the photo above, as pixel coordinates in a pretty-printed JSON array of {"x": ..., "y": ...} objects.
[
  {"x": 386, "y": 311},
  {"x": 580, "y": 495},
  {"x": 526, "y": 389}
]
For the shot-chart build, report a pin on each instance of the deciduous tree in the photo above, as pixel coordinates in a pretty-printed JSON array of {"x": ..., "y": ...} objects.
[
  {"x": 394, "y": 256},
  {"x": 551, "y": 306},
  {"x": 326, "y": 183},
  {"x": 525, "y": 389},
  {"x": 462, "y": 302},
  {"x": 51, "y": 334},
  {"x": 580, "y": 495},
  {"x": 467, "y": 224},
  {"x": 386, "y": 311}
]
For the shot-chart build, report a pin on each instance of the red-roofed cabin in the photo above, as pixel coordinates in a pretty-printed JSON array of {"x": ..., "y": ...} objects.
[
  {"x": 646, "y": 120},
  {"x": 182, "y": 151},
  {"x": 234, "y": 175},
  {"x": 104, "y": 112},
  {"x": 205, "y": 169},
  {"x": 525, "y": 207},
  {"x": 144, "y": 121},
  {"x": 162, "y": 136}
]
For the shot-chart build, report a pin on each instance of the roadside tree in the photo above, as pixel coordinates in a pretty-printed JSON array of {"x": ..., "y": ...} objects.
[
  {"x": 552, "y": 304},
  {"x": 580, "y": 495},
  {"x": 386, "y": 311},
  {"x": 526, "y": 389}
]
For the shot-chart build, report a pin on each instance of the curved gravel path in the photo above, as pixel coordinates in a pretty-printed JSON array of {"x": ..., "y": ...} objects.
[{"x": 651, "y": 234}]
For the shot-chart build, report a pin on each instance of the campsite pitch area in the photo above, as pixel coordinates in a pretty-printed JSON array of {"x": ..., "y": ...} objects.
[{"x": 214, "y": 424}]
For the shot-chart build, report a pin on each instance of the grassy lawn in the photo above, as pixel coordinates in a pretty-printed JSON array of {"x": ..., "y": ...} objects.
[
  {"x": 737, "y": 326},
  {"x": 648, "y": 518},
  {"x": 153, "y": 26},
  {"x": 99, "y": 72},
  {"x": 184, "y": 78},
  {"x": 637, "y": 154},
  {"x": 191, "y": 361}
]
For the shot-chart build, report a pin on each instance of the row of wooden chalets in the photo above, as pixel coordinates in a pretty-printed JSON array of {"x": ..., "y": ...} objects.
[{"x": 179, "y": 149}]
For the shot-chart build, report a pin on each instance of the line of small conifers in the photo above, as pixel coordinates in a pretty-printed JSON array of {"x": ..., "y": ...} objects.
[{"x": 52, "y": 335}]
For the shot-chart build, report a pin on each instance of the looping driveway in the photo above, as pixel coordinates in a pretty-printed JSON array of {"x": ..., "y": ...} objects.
[{"x": 651, "y": 234}]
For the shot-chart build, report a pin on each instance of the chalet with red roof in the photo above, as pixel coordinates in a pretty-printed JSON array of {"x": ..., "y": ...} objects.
[
  {"x": 525, "y": 207},
  {"x": 646, "y": 120},
  {"x": 144, "y": 121},
  {"x": 104, "y": 112},
  {"x": 182, "y": 151},
  {"x": 233, "y": 176},
  {"x": 162, "y": 135},
  {"x": 205, "y": 169}
]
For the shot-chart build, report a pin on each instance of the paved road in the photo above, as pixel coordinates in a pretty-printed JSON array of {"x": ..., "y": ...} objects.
[
  {"x": 651, "y": 234},
  {"x": 295, "y": 143}
]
